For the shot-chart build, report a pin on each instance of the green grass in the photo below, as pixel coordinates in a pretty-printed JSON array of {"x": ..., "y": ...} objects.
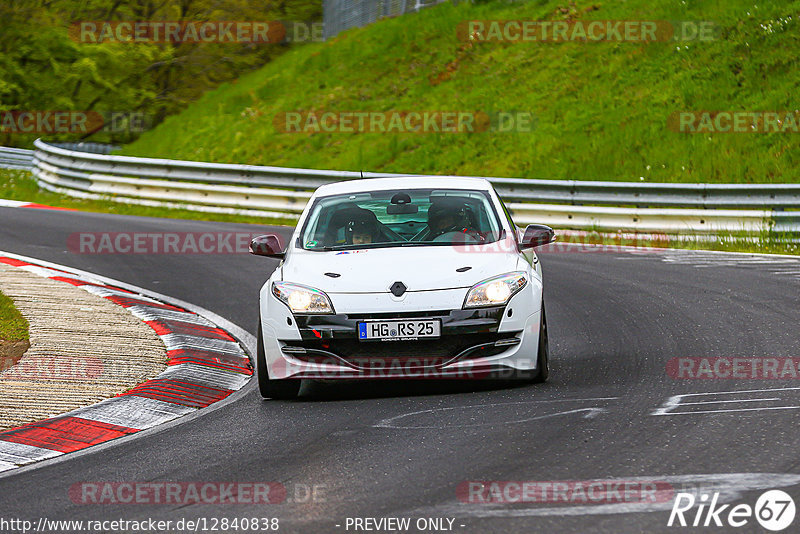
[
  {"x": 13, "y": 326},
  {"x": 20, "y": 185},
  {"x": 765, "y": 242},
  {"x": 601, "y": 108}
]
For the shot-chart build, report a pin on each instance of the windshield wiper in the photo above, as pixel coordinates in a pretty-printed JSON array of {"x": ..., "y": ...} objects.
[
  {"x": 369, "y": 246},
  {"x": 349, "y": 247}
]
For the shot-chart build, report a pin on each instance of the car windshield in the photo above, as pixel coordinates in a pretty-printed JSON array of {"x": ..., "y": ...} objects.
[{"x": 394, "y": 218}]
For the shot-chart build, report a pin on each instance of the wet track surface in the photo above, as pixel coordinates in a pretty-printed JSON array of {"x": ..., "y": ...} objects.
[{"x": 403, "y": 448}]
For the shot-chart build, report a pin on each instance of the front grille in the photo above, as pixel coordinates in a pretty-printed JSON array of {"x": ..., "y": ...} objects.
[
  {"x": 429, "y": 353},
  {"x": 396, "y": 315},
  {"x": 444, "y": 347}
]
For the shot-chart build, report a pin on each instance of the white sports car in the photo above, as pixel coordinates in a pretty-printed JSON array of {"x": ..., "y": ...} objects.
[{"x": 402, "y": 278}]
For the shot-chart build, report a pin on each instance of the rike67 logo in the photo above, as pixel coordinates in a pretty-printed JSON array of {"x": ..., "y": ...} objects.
[{"x": 774, "y": 510}]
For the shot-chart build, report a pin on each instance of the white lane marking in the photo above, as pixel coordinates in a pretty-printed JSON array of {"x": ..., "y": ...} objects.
[
  {"x": 591, "y": 412},
  {"x": 729, "y": 401},
  {"x": 391, "y": 422},
  {"x": 737, "y": 410},
  {"x": 676, "y": 401},
  {"x": 730, "y": 486}
]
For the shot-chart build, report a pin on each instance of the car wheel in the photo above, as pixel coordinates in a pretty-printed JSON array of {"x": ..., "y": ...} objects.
[
  {"x": 543, "y": 355},
  {"x": 287, "y": 388}
]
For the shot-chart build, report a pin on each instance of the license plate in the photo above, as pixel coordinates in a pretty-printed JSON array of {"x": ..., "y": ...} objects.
[{"x": 403, "y": 330}]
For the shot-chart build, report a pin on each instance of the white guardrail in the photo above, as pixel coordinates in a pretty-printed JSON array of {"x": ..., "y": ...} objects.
[
  {"x": 283, "y": 192},
  {"x": 15, "y": 158}
]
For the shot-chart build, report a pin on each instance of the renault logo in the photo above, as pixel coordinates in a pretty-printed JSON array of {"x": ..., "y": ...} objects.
[{"x": 397, "y": 289}]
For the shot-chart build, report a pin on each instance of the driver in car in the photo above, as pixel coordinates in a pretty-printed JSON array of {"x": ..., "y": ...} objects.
[
  {"x": 362, "y": 229},
  {"x": 446, "y": 216}
]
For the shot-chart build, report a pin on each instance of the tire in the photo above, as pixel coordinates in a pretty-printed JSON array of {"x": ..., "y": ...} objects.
[
  {"x": 284, "y": 389},
  {"x": 543, "y": 354}
]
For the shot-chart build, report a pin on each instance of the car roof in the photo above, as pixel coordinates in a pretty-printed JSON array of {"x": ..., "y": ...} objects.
[{"x": 403, "y": 182}]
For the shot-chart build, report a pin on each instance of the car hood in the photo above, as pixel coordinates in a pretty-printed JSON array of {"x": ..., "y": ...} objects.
[{"x": 419, "y": 268}]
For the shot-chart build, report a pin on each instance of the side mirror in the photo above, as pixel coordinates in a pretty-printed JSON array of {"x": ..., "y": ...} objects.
[
  {"x": 537, "y": 235},
  {"x": 267, "y": 245}
]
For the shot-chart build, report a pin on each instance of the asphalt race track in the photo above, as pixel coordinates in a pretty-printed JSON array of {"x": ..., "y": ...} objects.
[{"x": 401, "y": 449}]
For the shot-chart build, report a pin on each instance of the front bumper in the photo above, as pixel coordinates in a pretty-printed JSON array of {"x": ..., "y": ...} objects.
[{"x": 472, "y": 345}]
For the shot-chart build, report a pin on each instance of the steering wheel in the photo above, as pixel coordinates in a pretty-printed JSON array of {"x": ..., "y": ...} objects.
[{"x": 460, "y": 237}]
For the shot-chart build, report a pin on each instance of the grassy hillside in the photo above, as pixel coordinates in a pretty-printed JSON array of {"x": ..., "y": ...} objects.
[{"x": 601, "y": 108}]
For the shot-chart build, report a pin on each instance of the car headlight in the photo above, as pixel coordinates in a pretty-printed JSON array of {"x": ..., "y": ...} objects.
[
  {"x": 302, "y": 299},
  {"x": 496, "y": 290}
]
